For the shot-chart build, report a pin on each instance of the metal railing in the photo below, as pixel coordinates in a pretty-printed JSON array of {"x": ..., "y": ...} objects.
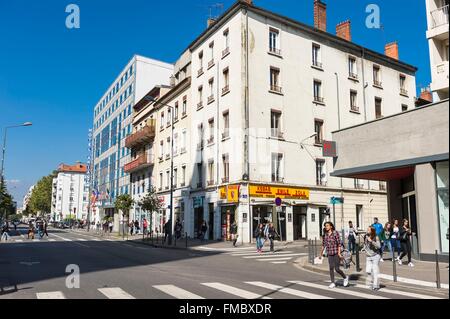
[
  {"x": 440, "y": 16},
  {"x": 275, "y": 51},
  {"x": 403, "y": 91},
  {"x": 275, "y": 88}
]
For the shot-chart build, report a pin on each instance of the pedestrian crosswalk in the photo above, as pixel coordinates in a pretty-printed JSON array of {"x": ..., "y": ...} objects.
[{"x": 250, "y": 290}]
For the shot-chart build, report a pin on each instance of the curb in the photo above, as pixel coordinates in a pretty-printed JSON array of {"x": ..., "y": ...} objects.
[{"x": 303, "y": 264}]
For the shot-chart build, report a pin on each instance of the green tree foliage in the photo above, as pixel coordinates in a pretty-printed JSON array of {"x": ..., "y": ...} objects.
[
  {"x": 41, "y": 197},
  {"x": 6, "y": 201},
  {"x": 124, "y": 203},
  {"x": 151, "y": 203}
]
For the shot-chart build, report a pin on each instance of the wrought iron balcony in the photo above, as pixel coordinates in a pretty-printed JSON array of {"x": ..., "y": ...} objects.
[{"x": 141, "y": 137}]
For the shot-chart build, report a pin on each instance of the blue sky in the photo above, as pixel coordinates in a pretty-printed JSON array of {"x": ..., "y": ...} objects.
[{"x": 54, "y": 76}]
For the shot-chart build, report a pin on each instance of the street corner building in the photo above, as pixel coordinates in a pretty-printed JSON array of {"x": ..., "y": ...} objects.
[{"x": 240, "y": 120}]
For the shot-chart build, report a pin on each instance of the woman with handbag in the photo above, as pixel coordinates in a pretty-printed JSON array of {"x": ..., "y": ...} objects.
[
  {"x": 372, "y": 247},
  {"x": 405, "y": 234}
]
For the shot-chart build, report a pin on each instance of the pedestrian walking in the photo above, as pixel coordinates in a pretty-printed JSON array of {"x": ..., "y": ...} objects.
[
  {"x": 259, "y": 235},
  {"x": 234, "y": 233},
  {"x": 385, "y": 238},
  {"x": 272, "y": 234},
  {"x": 167, "y": 229},
  {"x": 131, "y": 225},
  {"x": 45, "y": 228},
  {"x": 377, "y": 225},
  {"x": 110, "y": 224},
  {"x": 351, "y": 234},
  {"x": 395, "y": 238},
  {"x": 178, "y": 229},
  {"x": 405, "y": 241},
  {"x": 203, "y": 230},
  {"x": 5, "y": 231},
  {"x": 333, "y": 245},
  {"x": 31, "y": 229},
  {"x": 145, "y": 226},
  {"x": 372, "y": 247},
  {"x": 137, "y": 227}
]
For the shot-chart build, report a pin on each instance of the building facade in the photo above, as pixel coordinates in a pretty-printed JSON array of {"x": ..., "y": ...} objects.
[
  {"x": 112, "y": 124},
  {"x": 263, "y": 92},
  {"x": 437, "y": 35},
  {"x": 27, "y": 197},
  {"x": 70, "y": 193}
]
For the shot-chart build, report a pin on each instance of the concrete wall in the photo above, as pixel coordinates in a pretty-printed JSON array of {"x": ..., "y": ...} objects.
[{"x": 415, "y": 134}]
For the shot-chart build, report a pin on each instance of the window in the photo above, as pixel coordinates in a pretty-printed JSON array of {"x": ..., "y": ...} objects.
[
  {"x": 211, "y": 53},
  {"x": 175, "y": 178},
  {"x": 316, "y": 58},
  {"x": 404, "y": 107},
  {"x": 353, "y": 101},
  {"x": 200, "y": 97},
  {"x": 183, "y": 142},
  {"x": 200, "y": 61},
  {"x": 275, "y": 124},
  {"x": 226, "y": 37},
  {"x": 162, "y": 119},
  {"x": 317, "y": 87},
  {"x": 169, "y": 116},
  {"x": 275, "y": 80},
  {"x": 160, "y": 181},
  {"x": 184, "y": 106},
  {"x": 318, "y": 129},
  {"x": 378, "y": 113},
  {"x": 226, "y": 124},
  {"x": 359, "y": 217},
  {"x": 226, "y": 81},
  {"x": 211, "y": 131},
  {"x": 175, "y": 143},
  {"x": 226, "y": 168},
  {"x": 211, "y": 91},
  {"x": 403, "y": 90},
  {"x": 200, "y": 136},
  {"x": 200, "y": 175},
  {"x": 352, "y": 68},
  {"x": 277, "y": 160},
  {"x": 358, "y": 184},
  {"x": 168, "y": 184},
  {"x": 210, "y": 172},
  {"x": 176, "y": 112},
  {"x": 376, "y": 76},
  {"x": 320, "y": 173},
  {"x": 168, "y": 148},
  {"x": 183, "y": 176},
  {"x": 274, "y": 46}
]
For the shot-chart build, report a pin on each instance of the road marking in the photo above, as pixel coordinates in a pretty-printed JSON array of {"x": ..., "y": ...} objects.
[
  {"x": 234, "y": 291},
  {"x": 225, "y": 249},
  {"x": 402, "y": 293},
  {"x": 288, "y": 291},
  {"x": 19, "y": 241},
  {"x": 271, "y": 256},
  {"x": 36, "y": 240},
  {"x": 50, "y": 295},
  {"x": 275, "y": 259},
  {"x": 176, "y": 292},
  {"x": 115, "y": 293},
  {"x": 81, "y": 239},
  {"x": 413, "y": 281},
  {"x": 28, "y": 263},
  {"x": 65, "y": 239},
  {"x": 51, "y": 239},
  {"x": 339, "y": 290},
  {"x": 256, "y": 253},
  {"x": 279, "y": 262}
]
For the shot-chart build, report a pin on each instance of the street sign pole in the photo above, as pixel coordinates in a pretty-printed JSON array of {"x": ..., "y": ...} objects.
[{"x": 334, "y": 213}]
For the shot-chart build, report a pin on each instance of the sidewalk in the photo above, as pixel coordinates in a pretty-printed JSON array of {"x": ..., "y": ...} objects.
[{"x": 422, "y": 275}]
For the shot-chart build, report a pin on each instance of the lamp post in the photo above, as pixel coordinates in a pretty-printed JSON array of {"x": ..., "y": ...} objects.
[
  {"x": 171, "y": 108},
  {"x": 4, "y": 145}
]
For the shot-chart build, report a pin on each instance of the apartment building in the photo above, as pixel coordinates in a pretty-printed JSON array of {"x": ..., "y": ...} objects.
[
  {"x": 113, "y": 123},
  {"x": 437, "y": 35},
  {"x": 264, "y": 93},
  {"x": 70, "y": 193},
  {"x": 27, "y": 197}
]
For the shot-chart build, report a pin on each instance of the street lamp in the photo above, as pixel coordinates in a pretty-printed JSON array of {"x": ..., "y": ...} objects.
[
  {"x": 4, "y": 145},
  {"x": 171, "y": 108}
]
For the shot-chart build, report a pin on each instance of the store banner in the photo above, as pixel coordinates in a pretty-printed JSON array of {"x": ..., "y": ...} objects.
[
  {"x": 265, "y": 191},
  {"x": 229, "y": 193}
]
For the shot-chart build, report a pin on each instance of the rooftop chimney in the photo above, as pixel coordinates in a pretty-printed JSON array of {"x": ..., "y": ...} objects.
[
  {"x": 320, "y": 15},
  {"x": 250, "y": 2},
  {"x": 343, "y": 30},
  {"x": 172, "y": 81},
  {"x": 391, "y": 50},
  {"x": 211, "y": 21},
  {"x": 426, "y": 95}
]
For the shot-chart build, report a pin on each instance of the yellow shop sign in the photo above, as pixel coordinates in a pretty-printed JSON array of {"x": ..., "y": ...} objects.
[
  {"x": 229, "y": 193},
  {"x": 265, "y": 191}
]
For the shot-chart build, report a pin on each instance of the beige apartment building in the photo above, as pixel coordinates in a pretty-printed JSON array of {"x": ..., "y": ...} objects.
[{"x": 262, "y": 93}]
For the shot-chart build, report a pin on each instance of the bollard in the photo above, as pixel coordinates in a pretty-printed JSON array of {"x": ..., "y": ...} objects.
[
  {"x": 358, "y": 268},
  {"x": 438, "y": 273},
  {"x": 186, "y": 240},
  {"x": 315, "y": 247},
  {"x": 175, "y": 241},
  {"x": 394, "y": 267}
]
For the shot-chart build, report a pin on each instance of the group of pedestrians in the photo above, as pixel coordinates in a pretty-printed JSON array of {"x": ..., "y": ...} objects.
[{"x": 264, "y": 233}]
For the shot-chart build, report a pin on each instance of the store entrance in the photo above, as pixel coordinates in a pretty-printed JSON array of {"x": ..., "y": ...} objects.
[
  {"x": 198, "y": 220},
  {"x": 300, "y": 222},
  {"x": 228, "y": 216}
]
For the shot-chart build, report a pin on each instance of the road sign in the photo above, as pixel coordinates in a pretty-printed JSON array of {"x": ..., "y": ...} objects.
[
  {"x": 337, "y": 200},
  {"x": 278, "y": 201},
  {"x": 329, "y": 149}
]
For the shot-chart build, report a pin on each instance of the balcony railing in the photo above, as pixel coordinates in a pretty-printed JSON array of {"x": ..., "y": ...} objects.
[
  {"x": 276, "y": 133},
  {"x": 277, "y": 179},
  {"x": 440, "y": 16},
  {"x": 142, "y": 161},
  {"x": 210, "y": 64},
  {"x": 225, "y": 89},
  {"x": 199, "y": 105},
  {"x": 141, "y": 137},
  {"x": 276, "y": 88},
  {"x": 318, "y": 99},
  {"x": 225, "y": 52},
  {"x": 211, "y": 99},
  {"x": 210, "y": 183},
  {"x": 354, "y": 109},
  {"x": 275, "y": 51},
  {"x": 183, "y": 150},
  {"x": 404, "y": 91},
  {"x": 200, "y": 146},
  {"x": 210, "y": 140},
  {"x": 353, "y": 76},
  {"x": 226, "y": 134},
  {"x": 382, "y": 186},
  {"x": 377, "y": 83},
  {"x": 317, "y": 64},
  {"x": 225, "y": 180},
  {"x": 200, "y": 72}
]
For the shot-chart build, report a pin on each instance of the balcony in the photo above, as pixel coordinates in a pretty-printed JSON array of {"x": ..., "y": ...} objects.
[
  {"x": 225, "y": 135},
  {"x": 275, "y": 51},
  {"x": 277, "y": 179},
  {"x": 354, "y": 109},
  {"x": 183, "y": 150},
  {"x": 225, "y": 180},
  {"x": 141, "y": 162},
  {"x": 378, "y": 84},
  {"x": 210, "y": 183},
  {"x": 319, "y": 99},
  {"x": 210, "y": 64},
  {"x": 200, "y": 72},
  {"x": 210, "y": 99},
  {"x": 359, "y": 186},
  {"x": 210, "y": 140},
  {"x": 439, "y": 17},
  {"x": 225, "y": 89},
  {"x": 353, "y": 76},
  {"x": 317, "y": 64},
  {"x": 199, "y": 105},
  {"x": 276, "y": 133},
  {"x": 276, "y": 89},
  {"x": 141, "y": 137},
  {"x": 225, "y": 52},
  {"x": 440, "y": 76},
  {"x": 403, "y": 92}
]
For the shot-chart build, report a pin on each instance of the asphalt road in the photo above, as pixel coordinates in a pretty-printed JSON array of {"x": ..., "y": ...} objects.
[{"x": 112, "y": 269}]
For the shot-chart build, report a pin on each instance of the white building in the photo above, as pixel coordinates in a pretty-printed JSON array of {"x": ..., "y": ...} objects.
[
  {"x": 113, "y": 123},
  {"x": 27, "y": 197},
  {"x": 70, "y": 193},
  {"x": 437, "y": 35},
  {"x": 256, "y": 85}
]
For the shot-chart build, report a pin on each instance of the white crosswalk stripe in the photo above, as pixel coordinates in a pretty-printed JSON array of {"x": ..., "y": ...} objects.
[
  {"x": 19, "y": 240},
  {"x": 177, "y": 292},
  {"x": 278, "y": 262},
  {"x": 272, "y": 256},
  {"x": 275, "y": 259},
  {"x": 401, "y": 293},
  {"x": 115, "y": 293},
  {"x": 234, "y": 291},
  {"x": 81, "y": 239},
  {"x": 343, "y": 291},
  {"x": 50, "y": 295},
  {"x": 257, "y": 254},
  {"x": 51, "y": 240},
  {"x": 289, "y": 291}
]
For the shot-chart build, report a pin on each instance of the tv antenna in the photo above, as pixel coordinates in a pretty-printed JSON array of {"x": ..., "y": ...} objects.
[{"x": 215, "y": 8}]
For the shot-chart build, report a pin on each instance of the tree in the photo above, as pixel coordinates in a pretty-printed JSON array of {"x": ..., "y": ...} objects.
[
  {"x": 124, "y": 203},
  {"x": 6, "y": 201},
  {"x": 151, "y": 203},
  {"x": 41, "y": 197}
]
